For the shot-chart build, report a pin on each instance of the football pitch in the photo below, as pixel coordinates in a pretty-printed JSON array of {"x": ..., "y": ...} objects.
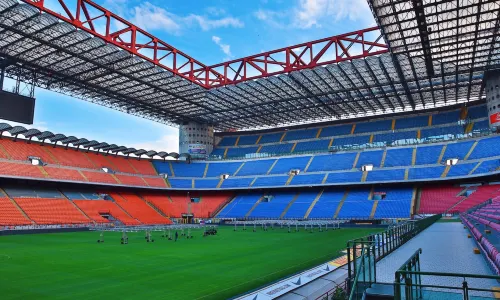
[{"x": 75, "y": 266}]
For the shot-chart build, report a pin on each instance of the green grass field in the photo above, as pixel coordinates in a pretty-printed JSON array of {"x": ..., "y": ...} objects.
[{"x": 74, "y": 266}]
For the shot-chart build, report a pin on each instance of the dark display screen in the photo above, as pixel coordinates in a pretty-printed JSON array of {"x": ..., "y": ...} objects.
[{"x": 16, "y": 108}]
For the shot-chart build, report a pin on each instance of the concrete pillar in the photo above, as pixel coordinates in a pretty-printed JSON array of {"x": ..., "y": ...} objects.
[
  {"x": 492, "y": 89},
  {"x": 196, "y": 139}
]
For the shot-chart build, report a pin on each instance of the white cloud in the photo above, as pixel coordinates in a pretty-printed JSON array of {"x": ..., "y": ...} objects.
[
  {"x": 168, "y": 143},
  {"x": 215, "y": 11},
  {"x": 224, "y": 47},
  {"x": 208, "y": 24},
  {"x": 311, "y": 13},
  {"x": 273, "y": 18},
  {"x": 306, "y": 14},
  {"x": 150, "y": 17}
]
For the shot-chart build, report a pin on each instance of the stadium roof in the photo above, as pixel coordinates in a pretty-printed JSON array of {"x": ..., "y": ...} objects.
[{"x": 434, "y": 54}]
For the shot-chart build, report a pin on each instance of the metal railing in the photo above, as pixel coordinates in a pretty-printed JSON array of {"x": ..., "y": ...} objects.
[
  {"x": 402, "y": 275},
  {"x": 366, "y": 271},
  {"x": 408, "y": 283},
  {"x": 416, "y": 290},
  {"x": 383, "y": 244}
]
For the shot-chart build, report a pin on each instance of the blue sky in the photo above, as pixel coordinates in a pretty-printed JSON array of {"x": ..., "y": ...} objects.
[{"x": 211, "y": 31}]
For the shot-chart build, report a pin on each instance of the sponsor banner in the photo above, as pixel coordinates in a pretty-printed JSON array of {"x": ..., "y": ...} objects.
[
  {"x": 197, "y": 149},
  {"x": 495, "y": 118},
  {"x": 282, "y": 287}
]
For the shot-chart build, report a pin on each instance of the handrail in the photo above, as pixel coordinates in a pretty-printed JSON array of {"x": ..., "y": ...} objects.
[
  {"x": 411, "y": 263},
  {"x": 358, "y": 272},
  {"x": 463, "y": 275},
  {"x": 410, "y": 272}
]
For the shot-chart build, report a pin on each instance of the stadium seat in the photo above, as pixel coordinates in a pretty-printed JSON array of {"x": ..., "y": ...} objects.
[
  {"x": 139, "y": 209},
  {"x": 240, "y": 206},
  {"x": 10, "y": 214},
  {"x": 52, "y": 211},
  {"x": 96, "y": 209}
]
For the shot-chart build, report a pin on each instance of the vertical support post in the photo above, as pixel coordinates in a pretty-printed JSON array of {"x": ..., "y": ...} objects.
[
  {"x": 465, "y": 290},
  {"x": 2, "y": 77}
]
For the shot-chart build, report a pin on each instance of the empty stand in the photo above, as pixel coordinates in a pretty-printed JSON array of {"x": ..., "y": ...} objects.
[
  {"x": 144, "y": 167},
  {"x": 51, "y": 211},
  {"x": 239, "y": 206},
  {"x": 173, "y": 206},
  {"x": 138, "y": 208},
  {"x": 10, "y": 214},
  {"x": 104, "y": 211},
  {"x": 71, "y": 157},
  {"x": 437, "y": 200},
  {"x": 64, "y": 173}
]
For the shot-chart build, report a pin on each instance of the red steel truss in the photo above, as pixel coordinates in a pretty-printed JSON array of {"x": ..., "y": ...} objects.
[{"x": 100, "y": 22}]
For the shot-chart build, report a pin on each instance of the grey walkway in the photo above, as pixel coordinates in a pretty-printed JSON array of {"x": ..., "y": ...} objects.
[{"x": 445, "y": 248}]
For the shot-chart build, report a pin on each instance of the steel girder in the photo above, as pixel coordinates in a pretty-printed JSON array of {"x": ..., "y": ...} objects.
[{"x": 347, "y": 76}]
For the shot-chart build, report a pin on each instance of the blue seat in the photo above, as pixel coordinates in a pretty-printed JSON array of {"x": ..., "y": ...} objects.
[
  {"x": 194, "y": 169},
  {"x": 428, "y": 154},
  {"x": 352, "y": 140},
  {"x": 302, "y": 203},
  {"x": 477, "y": 112},
  {"x": 461, "y": 169},
  {"x": 381, "y": 125},
  {"x": 336, "y": 130},
  {"x": 386, "y": 175},
  {"x": 284, "y": 165},
  {"x": 248, "y": 140},
  {"x": 486, "y": 148},
  {"x": 162, "y": 167},
  {"x": 206, "y": 183},
  {"x": 241, "y": 151},
  {"x": 240, "y": 206},
  {"x": 412, "y": 122},
  {"x": 237, "y": 182},
  {"x": 446, "y": 117},
  {"x": 180, "y": 183},
  {"x": 276, "y": 148},
  {"x": 398, "y": 157},
  {"x": 312, "y": 146},
  {"x": 270, "y": 181},
  {"x": 307, "y": 179},
  {"x": 256, "y": 167},
  {"x": 215, "y": 169},
  {"x": 426, "y": 172},
  {"x": 395, "y": 136},
  {"x": 227, "y": 141},
  {"x": 271, "y": 138},
  {"x": 275, "y": 207},
  {"x": 481, "y": 125},
  {"x": 218, "y": 152},
  {"x": 487, "y": 166},
  {"x": 370, "y": 157},
  {"x": 302, "y": 134},
  {"x": 331, "y": 162},
  {"x": 326, "y": 205},
  {"x": 356, "y": 209},
  {"x": 457, "y": 150},
  {"x": 441, "y": 131},
  {"x": 343, "y": 177}
]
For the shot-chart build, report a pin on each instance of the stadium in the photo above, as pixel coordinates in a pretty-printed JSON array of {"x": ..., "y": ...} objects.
[{"x": 358, "y": 166}]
